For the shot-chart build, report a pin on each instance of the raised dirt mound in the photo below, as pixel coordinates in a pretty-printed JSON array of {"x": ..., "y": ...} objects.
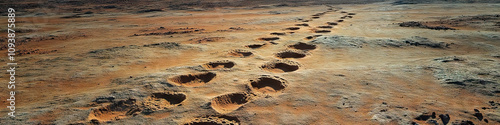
[
  {"x": 193, "y": 79},
  {"x": 229, "y": 102},
  {"x": 214, "y": 120},
  {"x": 303, "y": 46},
  {"x": 160, "y": 100},
  {"x": 268, "y": 84},
  {"x": 291, "y": 54},
  {"x": 115, "y": 111},
  {"x": 219, "y": 64},
  {"x": 281, "y": 66},
  {"x": 240, "y": 53}
]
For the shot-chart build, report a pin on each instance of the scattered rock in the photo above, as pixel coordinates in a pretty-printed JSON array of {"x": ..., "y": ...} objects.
[{"x": 420, "y": 25}]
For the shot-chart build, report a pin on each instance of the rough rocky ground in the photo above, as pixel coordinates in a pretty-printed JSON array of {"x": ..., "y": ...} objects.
[{"x": 301, "y": 63}]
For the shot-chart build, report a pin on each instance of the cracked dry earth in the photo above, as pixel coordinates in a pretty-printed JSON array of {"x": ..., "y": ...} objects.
[{"x": 319, "y": 64}]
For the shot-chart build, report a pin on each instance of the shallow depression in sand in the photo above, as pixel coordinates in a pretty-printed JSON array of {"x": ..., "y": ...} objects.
[
  {"x": 293, "y": 28},
  {"x": 268, "y": 84},
  {"x": 302, "y": 24},
  {"x": 240, "y": 53},
  {"x": 115, "y": 111},
  {"x": 281, "y": 66},
  {"x": 326, "y": 27},
  {"x": 322, "y": 31},
  {"x": 193, "y": 79},
  {"x": 160, "y": 100},
  {"x": 219, "y": 64},
  {"x": 269, "y": 38},
  {"x": 331, "y": 23},
  {"x": 303, "y": 46},
  {"x": 277, "y": 33},
  {"x": 290, "y": 54},
  {"x": 229, "y": 102},
  {"x": 255, "y": 46}
]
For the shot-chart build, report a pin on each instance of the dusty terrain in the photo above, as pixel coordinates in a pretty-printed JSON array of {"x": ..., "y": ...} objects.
[{"x": 255, "y": 62}]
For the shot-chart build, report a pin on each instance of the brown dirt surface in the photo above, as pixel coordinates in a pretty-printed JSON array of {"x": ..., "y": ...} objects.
[{"x": 253, "y": 62}]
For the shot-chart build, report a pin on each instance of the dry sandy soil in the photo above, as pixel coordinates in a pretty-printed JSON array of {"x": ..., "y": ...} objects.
[{"x": 254, "y": 62}]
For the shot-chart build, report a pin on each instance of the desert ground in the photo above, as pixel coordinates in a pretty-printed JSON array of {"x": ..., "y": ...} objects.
[{"x": 254, "y": 62}]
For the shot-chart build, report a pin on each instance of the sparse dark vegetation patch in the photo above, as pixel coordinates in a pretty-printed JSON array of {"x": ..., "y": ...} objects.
[
  {"x": 422, "y": 41},
  {"x": 420, "y": 25}
]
